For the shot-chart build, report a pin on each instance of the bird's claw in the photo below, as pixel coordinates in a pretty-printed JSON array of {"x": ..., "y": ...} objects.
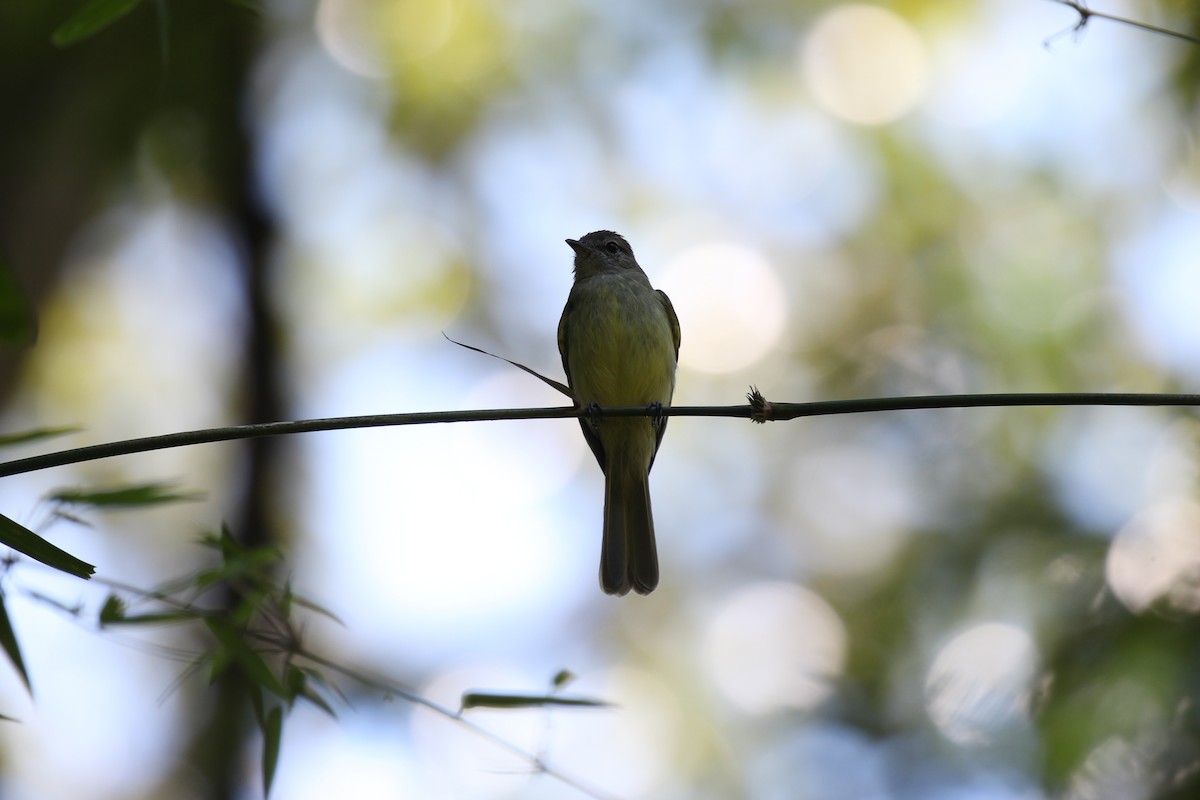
[{"x": 658, "y": 418}]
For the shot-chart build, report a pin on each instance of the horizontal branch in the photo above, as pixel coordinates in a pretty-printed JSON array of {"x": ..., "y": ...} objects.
[
  {"x": 758, "y": 410},
  {"x": 786, "y": 411}
]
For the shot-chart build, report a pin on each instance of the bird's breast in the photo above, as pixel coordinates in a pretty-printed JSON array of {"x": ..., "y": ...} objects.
[{"x": 622, "y": 350}]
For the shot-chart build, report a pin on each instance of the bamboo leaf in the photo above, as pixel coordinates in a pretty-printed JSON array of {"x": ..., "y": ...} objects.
[
  {"x": 155, "y": 619},
  {"x": 8, "y": 640},
  {"x": 113, "y": 611},
  {"x": 23, "y": 540},
  {"x": 247, "y": 658},
  {"x": 26, "y": 437},
  {"x": 317, "y": 680},
  {"x": 132, "y": 496},
  {"x": 498, "y": 700},
  {"x": 272, "y": 729},
  {"x": 300, "y": 686},
  {"x": 320, "y": 702},
  {"x": 90, "y": 20}
]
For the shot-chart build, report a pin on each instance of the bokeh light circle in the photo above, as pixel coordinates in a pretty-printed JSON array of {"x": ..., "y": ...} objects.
[
  {"x": 865, "y": 64},
  {"x": 979, "y": 682},
  {"x": 1157, "y": 555},
  {"x": 731, "y": 306},
  {"x": 775, "y": 645}
]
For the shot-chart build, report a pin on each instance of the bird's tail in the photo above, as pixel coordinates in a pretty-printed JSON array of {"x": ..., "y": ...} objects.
[{"x": 628, "y": 558}]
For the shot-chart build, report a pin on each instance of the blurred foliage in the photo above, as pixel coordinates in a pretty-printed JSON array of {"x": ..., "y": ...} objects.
[
  {"x": 91, "y": 19},
  {"x": 445, "y": 61},
  {"x": 261, "y": 635},
  {"x": 258, "y": 635},
  {"x": 28, "y": 437},
  {"x": 145, "y": 494}
]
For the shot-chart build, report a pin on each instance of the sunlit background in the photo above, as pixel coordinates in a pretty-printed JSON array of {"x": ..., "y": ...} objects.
[{"x": 842, "y": 200}]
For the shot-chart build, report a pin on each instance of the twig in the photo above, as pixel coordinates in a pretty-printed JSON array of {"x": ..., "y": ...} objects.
[
  {"x": 553, "y": 384},
  {"x": 388, "y": 688},
  {"x": 1085, "y": 15},
  {"x": 778, "y": 412}
]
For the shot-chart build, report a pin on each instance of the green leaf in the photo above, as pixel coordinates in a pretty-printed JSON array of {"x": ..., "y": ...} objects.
[
  {"x": 155, "y": 619},
  {"x": 237, "y": 559},
  {"x": 25, "y": 437},
  {"x": 247, "y": 658},
  {"x": 272, "y": 729},
  {"x": 220, "y": 661},
  {"x": 298, "y": 680},
  {"x": 8, "y": 640},
  {"x": 113, "y": 611},
  {"x": 497, "y": 700},
  {"x": 207, "y": 577},
  {"x": 320, "y": 702},
  {"x": 290, "y": 598},
  {"x": 90, "y": 20},
  {"x": 132, "y": 496},
  {"x": 317, "y": 679},
  {"x": 23, "y": 540}
]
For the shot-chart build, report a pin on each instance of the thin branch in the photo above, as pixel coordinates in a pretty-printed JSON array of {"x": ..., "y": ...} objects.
[
  {"x": 235, "y": 432},
  {"x": 1085, "y": 15},
  {"x": 773, "y": 412},
  {"x": 758, "y": 412},
  {"x": 392, "y": 689},
  {"x": 553, "y": 384}
]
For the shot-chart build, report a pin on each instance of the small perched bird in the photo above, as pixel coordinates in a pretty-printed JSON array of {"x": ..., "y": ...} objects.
[{"x": 619, "y": 341}]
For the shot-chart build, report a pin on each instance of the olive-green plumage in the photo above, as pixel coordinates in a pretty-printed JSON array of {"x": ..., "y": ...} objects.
[{"x": 619, "y": 341}]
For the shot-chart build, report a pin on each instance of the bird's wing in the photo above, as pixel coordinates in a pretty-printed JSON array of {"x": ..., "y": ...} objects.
[
  {"x": 674, "y": 320},
  {"x": 564, "y": 350}
]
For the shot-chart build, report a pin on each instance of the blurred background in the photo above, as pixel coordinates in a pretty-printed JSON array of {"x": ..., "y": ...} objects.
[{"x": 221, "y": 213}]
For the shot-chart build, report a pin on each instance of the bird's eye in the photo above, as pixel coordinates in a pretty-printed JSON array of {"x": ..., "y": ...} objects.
[{"x": 612, "y": 248}]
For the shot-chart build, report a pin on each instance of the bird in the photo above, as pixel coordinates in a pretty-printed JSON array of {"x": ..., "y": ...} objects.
[{"x": 619, "y": 341}]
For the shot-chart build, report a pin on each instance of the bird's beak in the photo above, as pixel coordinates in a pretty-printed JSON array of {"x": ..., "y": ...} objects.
[{"x": 579, "y": 247}]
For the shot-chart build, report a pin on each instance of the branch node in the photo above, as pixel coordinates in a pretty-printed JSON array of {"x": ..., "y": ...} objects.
[{"x": 761, "y": 409}]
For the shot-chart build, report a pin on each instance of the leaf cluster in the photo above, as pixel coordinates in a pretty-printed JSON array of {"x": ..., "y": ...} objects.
[{"x": 250, "y": 617}]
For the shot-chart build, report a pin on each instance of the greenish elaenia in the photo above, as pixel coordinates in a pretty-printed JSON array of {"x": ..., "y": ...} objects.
[{"x": 619, "y": 341}]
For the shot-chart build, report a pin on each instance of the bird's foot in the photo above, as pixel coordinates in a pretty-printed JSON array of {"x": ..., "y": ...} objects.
[
  {"x": 593, "y": 413},
  {"x": 658, "y": 419}
]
